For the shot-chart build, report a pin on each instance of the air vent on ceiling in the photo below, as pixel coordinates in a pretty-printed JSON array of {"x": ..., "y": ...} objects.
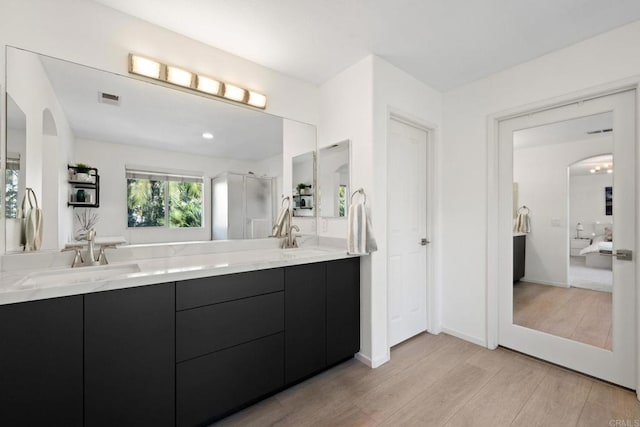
[
  {"x": 593, "y": 132},
  {"x": 108, "y": 98}
]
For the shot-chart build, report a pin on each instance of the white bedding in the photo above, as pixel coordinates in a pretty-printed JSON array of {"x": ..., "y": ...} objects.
[{"x": 598, "y": 246}]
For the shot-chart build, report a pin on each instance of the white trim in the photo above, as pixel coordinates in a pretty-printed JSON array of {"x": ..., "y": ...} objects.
[
  {"x": 434, "y": 288},
  {"x": 372, "y": 363},
  {"x": 492, "y": 321},
  {"x": 462, "y": 336}
]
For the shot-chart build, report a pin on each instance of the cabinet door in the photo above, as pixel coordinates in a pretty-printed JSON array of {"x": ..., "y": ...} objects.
[
  {"x": 130, "y": 357},
  {"x": 305, "y": 320},
  {"x": 519, "y": 257},
  {"x": 41, "y": 363},
  {"x": 343, "y": 309},
  {"x": 212, "y": 386}
]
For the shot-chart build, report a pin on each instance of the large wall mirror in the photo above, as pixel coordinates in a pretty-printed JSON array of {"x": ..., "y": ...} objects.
[
  {"x": 152, "y": 162},
  {"x": 334, "y": 185}
]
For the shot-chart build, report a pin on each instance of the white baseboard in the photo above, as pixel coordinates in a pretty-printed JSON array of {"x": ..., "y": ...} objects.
[
  {"x": 462, "y": 336},
  {"x": 375, "y": 363}
]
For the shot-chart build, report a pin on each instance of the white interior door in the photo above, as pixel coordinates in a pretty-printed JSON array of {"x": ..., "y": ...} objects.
[
  {"x": 616, "y": 364},
  {"x": 407, "y": 224}
]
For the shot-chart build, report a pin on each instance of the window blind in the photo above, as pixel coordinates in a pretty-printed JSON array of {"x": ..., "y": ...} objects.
[{"x": 162, "y": 176}]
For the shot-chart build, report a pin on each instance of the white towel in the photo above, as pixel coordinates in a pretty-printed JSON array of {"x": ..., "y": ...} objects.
[
  {"x": 522, "y": 223},
  {"x": 360, "y": 239}
]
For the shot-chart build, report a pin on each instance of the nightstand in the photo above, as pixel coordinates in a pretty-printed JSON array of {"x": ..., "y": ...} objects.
[{"x": 579, "y": 244}]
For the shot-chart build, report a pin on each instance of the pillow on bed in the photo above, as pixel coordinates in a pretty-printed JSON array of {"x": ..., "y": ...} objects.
[{"x": 608, "y": 234}]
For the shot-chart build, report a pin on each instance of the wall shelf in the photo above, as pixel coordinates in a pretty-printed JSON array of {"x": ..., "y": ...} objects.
[{"x": 92, "y": 185}]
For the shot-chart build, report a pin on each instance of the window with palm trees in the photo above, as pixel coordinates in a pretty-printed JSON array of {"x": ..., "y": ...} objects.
[{"x": 161, "y": 200}]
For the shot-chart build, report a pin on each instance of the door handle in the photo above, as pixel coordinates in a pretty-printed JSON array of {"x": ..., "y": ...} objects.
[
  {"x": 424, "y": 242},
  {"x": 622, "y": 254}
]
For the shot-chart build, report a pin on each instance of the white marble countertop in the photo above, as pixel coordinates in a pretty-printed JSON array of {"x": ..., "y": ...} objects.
[{"x": 29, "y": 285}]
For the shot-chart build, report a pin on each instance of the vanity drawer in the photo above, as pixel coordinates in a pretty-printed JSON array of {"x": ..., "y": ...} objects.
[
  {"x": 208, "y": 329},
  {"x": 213, "y": 290},
  {"x": 212, "y": 386}
]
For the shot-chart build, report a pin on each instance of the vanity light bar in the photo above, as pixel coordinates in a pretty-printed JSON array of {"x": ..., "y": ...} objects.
[{"x": 180, "y": 77}]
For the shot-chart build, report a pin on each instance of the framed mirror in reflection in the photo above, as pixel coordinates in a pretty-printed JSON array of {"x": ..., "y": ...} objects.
[
  {"x": 173, "y": 166},
  {"x": 303, "y": 167},
  {"x": 564, "y": 285},
  {"x": 334, "y": 184}
]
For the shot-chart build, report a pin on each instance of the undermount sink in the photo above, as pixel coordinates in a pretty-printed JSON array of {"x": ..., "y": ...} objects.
[{"x": 70, "y": 276}]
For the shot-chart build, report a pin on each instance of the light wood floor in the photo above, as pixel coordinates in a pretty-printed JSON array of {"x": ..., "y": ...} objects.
[
  {"x": 579, "y": 314},
  {"x": 444, "y": 381}
]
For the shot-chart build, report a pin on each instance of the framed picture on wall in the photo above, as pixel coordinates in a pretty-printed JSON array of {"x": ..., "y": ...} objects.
[{"x": 608, "y": 201}]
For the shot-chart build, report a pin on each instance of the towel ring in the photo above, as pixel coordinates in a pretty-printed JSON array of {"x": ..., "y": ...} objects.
[
  {"x": 523, "y": 210},
  {"x": 359, "y": 191}
]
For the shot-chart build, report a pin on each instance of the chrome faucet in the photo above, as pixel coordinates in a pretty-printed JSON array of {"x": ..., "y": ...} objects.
[
  {"x": 291, "y": 238},
  {"x": 91, "y": 258}
]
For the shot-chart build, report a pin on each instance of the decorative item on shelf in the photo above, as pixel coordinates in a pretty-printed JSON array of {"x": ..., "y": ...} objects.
[
  {"x": 83, "y": 173},
  {"x": 80, "y": 196},
  {"x": 579, "y": 228},
  {"x": 304, "y": 189},
  {"x": 86, "y": 221}
]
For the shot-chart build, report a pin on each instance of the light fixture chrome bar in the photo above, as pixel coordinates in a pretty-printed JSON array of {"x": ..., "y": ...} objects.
[{"x": 150, "y": 68}]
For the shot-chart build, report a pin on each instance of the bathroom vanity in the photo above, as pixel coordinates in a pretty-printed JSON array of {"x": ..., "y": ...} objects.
[{"x": 176, "y": 352}]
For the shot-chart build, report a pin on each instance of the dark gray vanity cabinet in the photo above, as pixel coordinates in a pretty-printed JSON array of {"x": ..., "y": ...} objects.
[
  {"x": 343, "y": 309},
  {"x": 129, "y": 357},
  {"x": 305, "y": 320},
  {"x": 41, "y": 363},
  {"x": 519, "y": 256},
  {"x": 229, "y": 343},
  {"x": 322, "y": 316}
]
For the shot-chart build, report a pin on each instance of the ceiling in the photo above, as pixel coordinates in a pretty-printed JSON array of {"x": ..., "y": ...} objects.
[
  {"x": 443, "y": 43},
  {"x": 564, "y": 131},
  {"x": 585, "y": 166},
  {"x": 159, "y": 117}
]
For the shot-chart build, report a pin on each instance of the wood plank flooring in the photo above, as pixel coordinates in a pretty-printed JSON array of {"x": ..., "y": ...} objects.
[
  {"x": 579, "y": 314},
  {"x": 439, "y": 380}
]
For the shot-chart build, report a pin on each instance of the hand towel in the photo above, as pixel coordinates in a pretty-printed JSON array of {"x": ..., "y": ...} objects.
[
  {"x": 522, "y": 223},
  {"x": 357, "y": 229},
  {"x": 360, "y": 238}
]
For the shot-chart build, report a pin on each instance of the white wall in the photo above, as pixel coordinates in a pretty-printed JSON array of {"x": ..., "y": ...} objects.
[
  {"x": 355, "y": 105},
  {"x": 586, "y": 202},
  {"x": 542, "y": 174},
  {"x": 111, "y": 159},
  {"x": 603, "y": 59}
]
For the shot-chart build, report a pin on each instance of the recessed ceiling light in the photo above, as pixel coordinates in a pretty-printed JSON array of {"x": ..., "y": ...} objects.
[{"x": 207, "y": 135}]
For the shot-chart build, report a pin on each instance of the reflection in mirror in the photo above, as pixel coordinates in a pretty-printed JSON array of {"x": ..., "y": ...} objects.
[
  {"x": 155, "y": 154},
  {"x": 333, "y": 180},
  {"x": 15, "y": 169},
  {"x": 562, "y": 284},
  {"x": 303, "y": 179}
]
